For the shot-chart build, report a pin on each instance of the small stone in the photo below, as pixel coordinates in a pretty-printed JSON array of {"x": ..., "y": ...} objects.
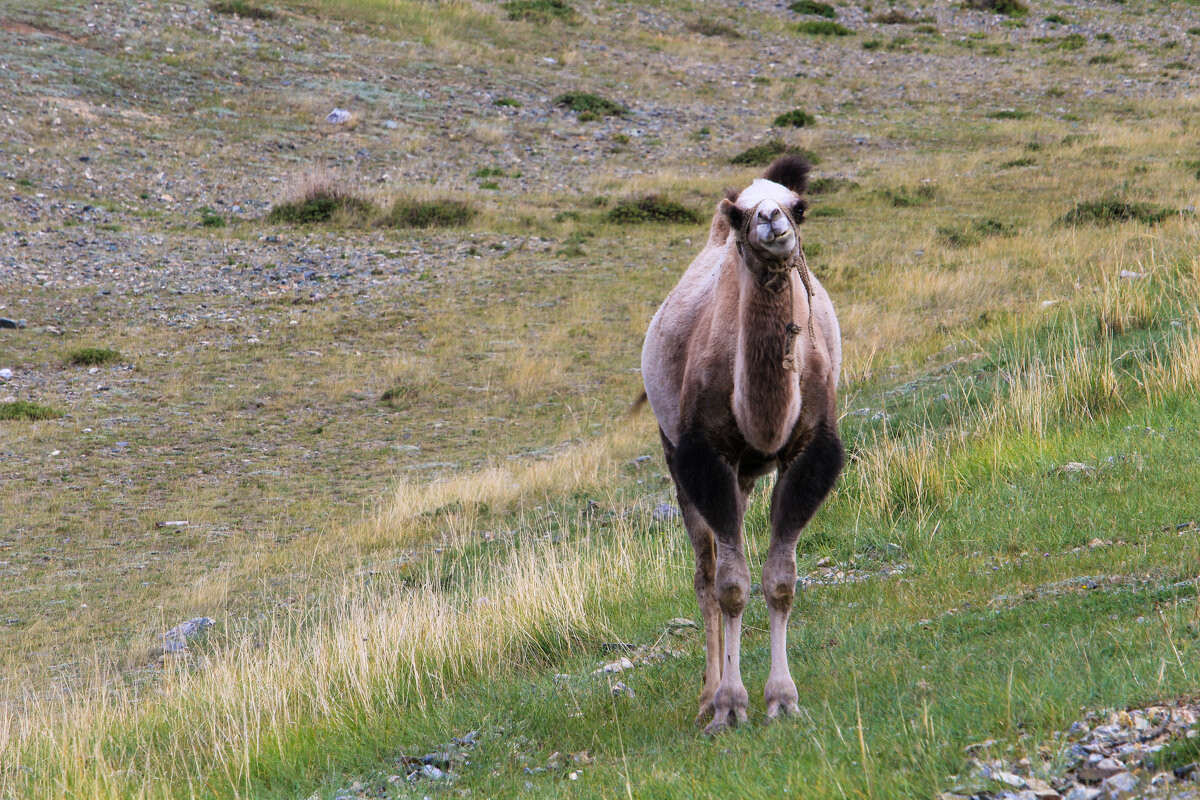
[
  {"x": 1119, "y": 785},
  {"x": 1077, "y": 466},
  {"x": 619, "y": 688},
  {"x": 1013, "y": 780},
  {"x": 175, "y": 640},
  {"x": 1082, "y": 793},
  {"x": 664, "y": 511},
  {"x": 5, "y": 322},
  {"x": 620, "y": 665},
  {"x": 680, "y": 624},
  {"x": 6, "y": 374},
  {"x": 1130, "y": 275},
  {"x": 432, "y": 772},
  {"x": 339, "y": 116},
  {"x": 1100, "y": 770},
  {"x": 391, "y": 124}
]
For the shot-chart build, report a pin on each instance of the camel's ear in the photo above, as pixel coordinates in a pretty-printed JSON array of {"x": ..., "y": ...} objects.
[{"x": 732, "y": 213}]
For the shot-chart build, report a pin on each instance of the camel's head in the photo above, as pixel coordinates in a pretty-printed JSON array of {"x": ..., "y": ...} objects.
[{"x": 763, "y": 218}]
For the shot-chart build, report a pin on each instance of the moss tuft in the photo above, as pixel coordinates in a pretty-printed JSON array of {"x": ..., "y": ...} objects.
[{"x": 93, "y": 356}]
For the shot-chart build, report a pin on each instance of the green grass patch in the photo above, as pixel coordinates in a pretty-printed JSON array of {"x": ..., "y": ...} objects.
[
  {"x": 896, "y": 17},
  {"x": 322, "y": 205},
  {"x": 400, "y": 395},
  {"x": 242, "y": 9},
  {"x": 825, "y": 211},
  {"x": 977, "y": 231},
  {"x": 909, "y": 196},
  {"x": 1056, "y": 19},
  {"x": 796, "y": 118},
  {"x": 821, "y": 27},
  {"x": 1110, "y": 211},
  {"x": 444, "y": 213},
  {"x": 539, "y": 11},
  {"x": 93, "y": 356},
  {"x": 762, "y": 154},
  {"x": 830, "y": 185},
  {"x": 1007, "y": 8},
  {"x": 706, "y": 26},
  {"x": 1103, "y": 58},
  {"x": 651, "y": 208},
  {"x": 1008, "y": 113},
  {"x": 814, "y": 7},
  {"x": 209, "y": 218},
  {"x": 27, "y": 410},
  {"x": 1023, "y": 161},
  {"x": 507, "y": 102},
  {"x": 1069, "y": 43},
  {"x": 489, "y": 172},
  {"x": 590, "y": 106}
]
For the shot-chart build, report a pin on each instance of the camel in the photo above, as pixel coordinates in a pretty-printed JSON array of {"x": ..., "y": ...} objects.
[{"x": 740, "y": 367}]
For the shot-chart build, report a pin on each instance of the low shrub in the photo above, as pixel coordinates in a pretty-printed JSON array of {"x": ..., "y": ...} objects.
[
  {"x": 651, "y": 208},
  {"x": 895, "y": 17},
  {"x": 821, "y": 27},
  {"x": 506, "y": 102},
  {"x": 399, "y": 395},
  {"x": 409, "y": 213},
  {"x": 712, "y": 27},
  {"x": 93, "y": 356},
  {"x": 1008, "y": 113},
  {"x": 1109, "y": 211},
  {"x": 27, "y": 410},
  {"x": 905, "y": 197},
  {"x": 814, "y": 7},
  {"x": 1023, "y": 161},
  {"x": 322, "y": 204},
  {"x": 242, "y": 9},
  {"x": 830, "y": 185},
  {"x": 762, "y": 154},
  {"x": 209, "y": 218},
  {"x": 1056, "y": 19},
  {"x": 591, "y": 106},
  {"x": 796, "y": 118},
  {"x": 539, "y": 11},
  {"x": 1008, "y": 8}
]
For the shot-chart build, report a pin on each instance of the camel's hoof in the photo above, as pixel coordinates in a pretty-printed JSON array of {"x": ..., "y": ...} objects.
[
  {"x": 707, "y": 709},
  {"x": 726, "y": 720},
  {"x": 782, "y": 708}
]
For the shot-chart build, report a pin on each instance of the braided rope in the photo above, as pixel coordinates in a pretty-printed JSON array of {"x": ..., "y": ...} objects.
[{"x": 778, "y": 279}]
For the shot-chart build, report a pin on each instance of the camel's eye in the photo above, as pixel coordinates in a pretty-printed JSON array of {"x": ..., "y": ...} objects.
[{"x": 798, "y": 210}]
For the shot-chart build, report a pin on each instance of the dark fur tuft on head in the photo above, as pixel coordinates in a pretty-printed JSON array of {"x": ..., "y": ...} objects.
[
  {"x": 732, "y": 194},
  {"x": 789, "y": 171}
]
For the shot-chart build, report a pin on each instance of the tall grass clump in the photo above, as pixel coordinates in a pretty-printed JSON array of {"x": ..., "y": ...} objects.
[
  {"x": 443, "y": 213},
  {"x": 821, "y": 27},
  {"x": 1008, "y": 8},
  {"x": 242, "y": 9},
  {"x": 590, "y": 106},
  {"x": 1111, "y": 210},
  {"x": 762, "y": 154},
  {"x": 28, "y": 411},
  {"x": 796, "y": 118},
  {"x": 539, "y": 11},
  {"x": 902, "y": 476},
  {"x": 316, "y": 199},
  {"x": 814, "y": 7},
  {"x": 93, "y": 356},
  {"x": 711, "y": 27},
  {"x": 651, "y": 208}
]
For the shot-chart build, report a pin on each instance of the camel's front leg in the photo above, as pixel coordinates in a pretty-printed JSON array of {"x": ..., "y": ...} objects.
[
  {"x": 708, "y": 484},
  {"x": 705, "y": 581},
  {"x": 733, "y": 589},
  {"x": 799, "y": 492}
]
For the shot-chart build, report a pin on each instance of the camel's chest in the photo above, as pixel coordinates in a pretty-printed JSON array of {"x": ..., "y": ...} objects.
[{"x": 766, "y": 411}]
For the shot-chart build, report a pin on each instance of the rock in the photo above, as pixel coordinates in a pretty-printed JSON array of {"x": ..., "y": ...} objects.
[
  {"x": 1130, "y": 275},
  {"x": 391, "y": 124},
  {"x": 1100, "y": 770},
  {"x": 339, "y": 116},
  {"x": 1076, "y": 466},
  {"x": 175, "y": 640},
  {"x": 5, "y": 322},
  {"x": 680, "y": 624},
  {"x": 619, "y": 665},
  {"x": 619, "y": 688},
  {"x": 1012, "y": 779},
  {"x": 1082, "y": 793},
  {"x": 432, "y": 772},
  {"x": 664, "y": 511},
  {"x": 1040, "y": 789},
  {"x": 1119, "y": 785},
  {"x": 6, "y": 374}
]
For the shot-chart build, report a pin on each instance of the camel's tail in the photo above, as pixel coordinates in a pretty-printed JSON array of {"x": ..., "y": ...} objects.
[{"x": 636, "y": 405}]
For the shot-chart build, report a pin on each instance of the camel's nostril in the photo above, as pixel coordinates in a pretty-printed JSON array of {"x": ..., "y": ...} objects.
[{"x": 768, "y": 215}]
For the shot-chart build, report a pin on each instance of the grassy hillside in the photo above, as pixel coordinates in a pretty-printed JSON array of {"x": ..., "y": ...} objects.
[{"x": 379, "y": 369}]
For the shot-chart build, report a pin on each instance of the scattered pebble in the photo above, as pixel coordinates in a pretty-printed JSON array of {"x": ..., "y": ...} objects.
[
  {"x": 339, "y": 116},
  {"x": 175, "y": 640}
]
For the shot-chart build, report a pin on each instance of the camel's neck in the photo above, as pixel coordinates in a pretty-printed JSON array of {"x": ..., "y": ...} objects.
[{"x": 766, "y": 395}]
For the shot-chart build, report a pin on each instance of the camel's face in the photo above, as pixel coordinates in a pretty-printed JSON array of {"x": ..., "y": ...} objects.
[{"x": 764, "y": 218}]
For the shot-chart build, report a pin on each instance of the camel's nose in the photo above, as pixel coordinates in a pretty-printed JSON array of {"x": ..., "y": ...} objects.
[
  {"x": 769, "y": 214},
  {"x": 772, "y": 223}
]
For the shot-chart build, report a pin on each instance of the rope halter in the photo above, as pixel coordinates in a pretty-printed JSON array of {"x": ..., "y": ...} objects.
[{"x": 777, "y": 278}]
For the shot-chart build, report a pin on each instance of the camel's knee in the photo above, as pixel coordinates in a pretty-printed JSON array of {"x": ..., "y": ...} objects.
[
  {"x": 779, "y": 584},
  {"x": 732, "y": 593}
]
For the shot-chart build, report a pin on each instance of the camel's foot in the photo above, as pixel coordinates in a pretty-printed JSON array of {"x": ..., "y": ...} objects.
[
  {"x": 782, "y": 699},
  {"x": 730, "y": 709}
]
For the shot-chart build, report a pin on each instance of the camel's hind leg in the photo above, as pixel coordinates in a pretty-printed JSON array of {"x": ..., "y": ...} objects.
[{"x": 799, "y": 491}]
